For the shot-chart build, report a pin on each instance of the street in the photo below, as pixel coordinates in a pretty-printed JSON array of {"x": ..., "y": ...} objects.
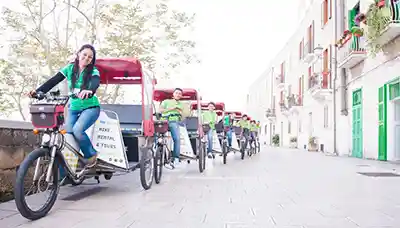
[{"x": 281, "y": 188}]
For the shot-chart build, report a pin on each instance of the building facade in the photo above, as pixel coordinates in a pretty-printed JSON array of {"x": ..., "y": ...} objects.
[{"x": 328, "y": 87}]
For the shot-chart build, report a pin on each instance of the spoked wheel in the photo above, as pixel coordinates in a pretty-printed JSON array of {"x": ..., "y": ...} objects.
[
  {"x": 224, "y": 152},
  {"x": 147, "y": 168},
  {"x": 36, "y": 162},
  {"x": 202, "y": 157},
  {"x": 158, "y": 163},
  {"x": 242, "y": 151}
]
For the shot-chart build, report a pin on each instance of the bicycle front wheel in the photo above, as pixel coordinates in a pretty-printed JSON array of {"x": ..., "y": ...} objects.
[{"x": 35, "y": 165}]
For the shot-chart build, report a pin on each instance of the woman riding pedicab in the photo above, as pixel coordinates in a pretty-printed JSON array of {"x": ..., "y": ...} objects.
[{"x": 103, "y": 154}]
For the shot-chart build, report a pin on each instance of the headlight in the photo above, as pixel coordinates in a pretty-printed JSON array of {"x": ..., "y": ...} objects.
[{"x": 45, "y": 138}]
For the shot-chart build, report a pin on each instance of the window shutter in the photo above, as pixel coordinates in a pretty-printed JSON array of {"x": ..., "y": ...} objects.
[
  {"x": 322, "y": 14},
  {"x": 330, "y": 8}
]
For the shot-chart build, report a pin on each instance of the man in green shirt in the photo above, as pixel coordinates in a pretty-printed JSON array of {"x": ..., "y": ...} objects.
[
  {"x": 210, "y": 117},
  {"x": 171, "y": 110},
  {"x": 228, "y": 123},
  {"x": 244, "y": 123}
]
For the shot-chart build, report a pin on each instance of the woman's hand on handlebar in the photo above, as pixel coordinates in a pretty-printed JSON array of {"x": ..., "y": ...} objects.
[
  {"x": 32, "y": 94},
  {"x": 85, "y": 94}
]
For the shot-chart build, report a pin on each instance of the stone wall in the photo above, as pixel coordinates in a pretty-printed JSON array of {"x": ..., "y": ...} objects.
[{"x": 16, "y": 140}]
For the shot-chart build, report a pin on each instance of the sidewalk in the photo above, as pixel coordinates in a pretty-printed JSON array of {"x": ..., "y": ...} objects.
[{"x": 278, "y": 188}]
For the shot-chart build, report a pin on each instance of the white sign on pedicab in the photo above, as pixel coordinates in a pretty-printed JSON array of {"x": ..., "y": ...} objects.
[
  {"x": 235, "y": 144},
  {"x": 186, "y": 146},
  {"x": 216, "y": 146},
  {"x": 106, "y": 138}
]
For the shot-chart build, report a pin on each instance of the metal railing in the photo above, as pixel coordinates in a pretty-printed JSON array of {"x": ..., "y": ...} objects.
[
  {"x": 294, "y": 100},
  {"x": 270, "y": 113},
  {"x": 354, "y": 45}
]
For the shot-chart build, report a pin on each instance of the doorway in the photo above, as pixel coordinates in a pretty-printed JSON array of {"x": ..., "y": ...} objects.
[
  {"x": 357, "y": 129},
  {"x": 396, "y": 130}
]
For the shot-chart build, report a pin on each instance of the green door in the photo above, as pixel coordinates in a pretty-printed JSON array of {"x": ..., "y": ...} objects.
[
  {"x": 357, "y": 150},
  {"x": 382, "y": 129}
]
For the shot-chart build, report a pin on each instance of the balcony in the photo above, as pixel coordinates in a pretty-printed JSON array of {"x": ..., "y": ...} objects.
[
  {"x": 270, "y": 114},
  {"x": 392, "y": 29},
  {"x": 294, "y": 103},
  {"x": 309, "y": 55},
  {"x": 352, "y": 53},
  {"x": 318, "y": 86},
  {"x": 280, "y": 81},
  {"x": 284, "y": 108}
]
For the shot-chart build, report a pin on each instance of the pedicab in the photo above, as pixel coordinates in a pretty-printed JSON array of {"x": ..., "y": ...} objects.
[
  {"x": 192, "y": 137},
  {"x": 122, "y": 135},
  {"x": 218, "y": 134}
]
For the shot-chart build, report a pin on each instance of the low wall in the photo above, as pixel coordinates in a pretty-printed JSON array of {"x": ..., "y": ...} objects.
[{"x": 16, "y": 140}]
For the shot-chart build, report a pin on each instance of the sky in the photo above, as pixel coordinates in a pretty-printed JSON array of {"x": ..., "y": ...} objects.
[{"x": 236, "y": 40}]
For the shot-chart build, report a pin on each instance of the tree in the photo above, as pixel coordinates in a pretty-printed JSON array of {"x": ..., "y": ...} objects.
[{"x": 41, "y": 37}]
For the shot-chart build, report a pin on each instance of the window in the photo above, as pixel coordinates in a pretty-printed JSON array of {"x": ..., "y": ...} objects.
[
  {"x": 300, "y": 127},
  {"x": 326, "y": 12},
  {"x": 301, "y": 46},
  {"x": 326, "y": 116},
  {"x": 283, "y": 72},
  {"x": 289, "y": 126}
]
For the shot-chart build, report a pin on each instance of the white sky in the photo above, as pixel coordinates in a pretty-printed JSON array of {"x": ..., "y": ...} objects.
[{"x": 236, "y": 41}]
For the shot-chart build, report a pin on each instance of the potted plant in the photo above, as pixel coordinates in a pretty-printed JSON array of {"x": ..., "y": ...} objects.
[
  {"x": 377, "y": 19},
  {"x": 380, "y": 3},
  {"x": 293, "y": 142},
  {"x": 361, "y": 17},
  {"x": 275, "y": 140},
  {"x": 357, "y": 31},
  {"x": 312, "y": 144}
]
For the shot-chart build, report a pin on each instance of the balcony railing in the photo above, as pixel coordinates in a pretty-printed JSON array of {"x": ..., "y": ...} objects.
[
  {"x": 392, "y": 28},
  {"x": 270, "y": 113},
  {"x": 294, "y": 100},
  {"x": 308, "y": 52},
  {"x": 352, "y": 53}
]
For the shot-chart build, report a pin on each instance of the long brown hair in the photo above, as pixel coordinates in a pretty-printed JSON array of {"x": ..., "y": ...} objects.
[{"x": 88, "y": 70}]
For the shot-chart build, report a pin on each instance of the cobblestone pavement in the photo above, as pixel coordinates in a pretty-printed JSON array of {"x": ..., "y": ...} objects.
[{"x": 278, "y": 188}]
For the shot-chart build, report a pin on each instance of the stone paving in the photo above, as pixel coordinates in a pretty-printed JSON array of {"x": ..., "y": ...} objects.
[{"x": 279, "y": 188}]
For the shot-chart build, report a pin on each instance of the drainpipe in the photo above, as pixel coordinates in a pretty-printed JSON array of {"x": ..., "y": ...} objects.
[{"x": 336, "y": 22}]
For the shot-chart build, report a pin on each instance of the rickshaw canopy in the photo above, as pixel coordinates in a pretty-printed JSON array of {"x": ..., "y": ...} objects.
[
  {"x": 187, "y": 94},
  {"x": 120, "y": 71},
  {"x": 219, "y": 106},
  {"x": 237, "y": 114},
  {"x": 128, "y": 71}
]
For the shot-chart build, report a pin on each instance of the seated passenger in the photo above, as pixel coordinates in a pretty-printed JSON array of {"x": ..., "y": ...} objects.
[
  {"x": 245, "y": 125},
  {"x": 253, "y": 130},
  {"x": 171, "y": 110},
  {"x": 228, "y": 123},
  {"x": 210, "y": 117}
]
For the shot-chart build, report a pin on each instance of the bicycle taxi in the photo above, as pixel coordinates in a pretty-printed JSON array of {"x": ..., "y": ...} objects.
[
  {"x": 219, "y": 133},
  {"x": 122, "y": 135},
  {"x": 191, "y": 131}
]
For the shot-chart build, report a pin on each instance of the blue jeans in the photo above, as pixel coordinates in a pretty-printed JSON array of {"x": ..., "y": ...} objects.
[
  {"x": 210, "y": 140},
  {"x": 229, "y": 136},
  {"x": 77, "y": 123},
  {"x": 175, "y": 134}
]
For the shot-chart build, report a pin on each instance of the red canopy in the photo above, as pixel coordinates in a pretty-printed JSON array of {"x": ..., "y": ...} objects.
[
  {"x": 119, "y": 70},
  {"x": 163, "y": 94},
  {"x": 218, "y": 105},
  {"x": 237, "y": 114}
]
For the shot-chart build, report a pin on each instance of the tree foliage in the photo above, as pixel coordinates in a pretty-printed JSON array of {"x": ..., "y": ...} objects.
[{"x": 44, "y": 33}]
